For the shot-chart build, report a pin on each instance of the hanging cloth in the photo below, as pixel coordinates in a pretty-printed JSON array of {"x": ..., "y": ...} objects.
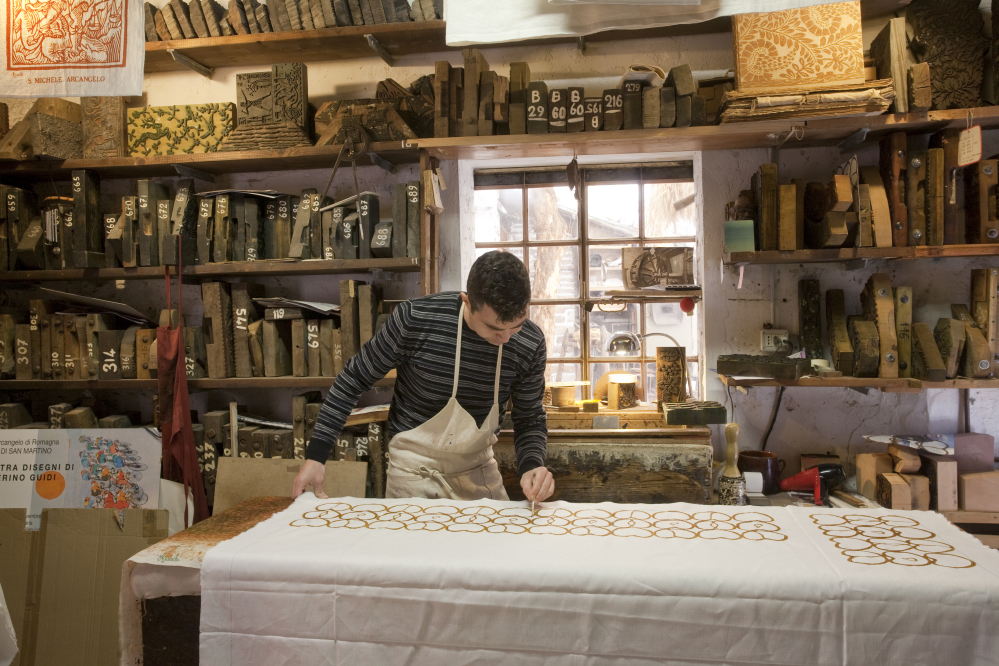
[{"x": 180, "y": 458}]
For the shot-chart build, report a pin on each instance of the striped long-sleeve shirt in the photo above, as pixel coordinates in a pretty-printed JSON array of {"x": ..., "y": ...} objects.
[{"x": 419, "y": 340}]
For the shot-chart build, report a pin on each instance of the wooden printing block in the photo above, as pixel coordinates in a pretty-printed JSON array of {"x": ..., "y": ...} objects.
[
  {"x": 985, "y": 305},
  {"x": 976, "y": 361},
  {"x": 125, "y": 240},
  {"x": 978, "y": 491},
  {"x": 171, "y": 130},
  {"x": 217, "y": 323},
  {"x": 300, "y": 244},
  {"x": 206, "y": 230},
  {"x": 369, "y": 301},
  {"x": 698, "y": 111},
  {"x": 381, "y": 240},
  {"x": 399, "y": 220},
  {"x": 109, "y": 352},
  {"x": 277, "y": 348},
  {"x": 683, "y": 110},
  {"x": 349, "y": 323},
  {"x": 277, "y": 228},
  {"x": 893, "y": 163},
  {"x": 368, "y": 216},
  {"x": 88, "y": 222},
  {"x": 893, "y": 492},
  {"x": 225, "y": 230},
  {"x": 904, "y": 459},
  {"x": 903, "y": 329},
  {"x": 299, "y": 349},
  {"x": 46, "y": 323},
  {"x": 244, "y": 312},
  {"x": 948, "y": 140},
  {"x": 90, "y": 345},
  {"x": 23, "y": 352},
  {"x": 840, "y": 194},
  {"x": 667, "y": 106},
  {"x": 631, "y": 105},
  {"x": 236, "y": 17},
  {"x": 256, "y": 338},
  {"x": 36, "y": 311},
  {"x": 225, "y": 28},
  {"x": 694, "y": 413},
  {"x": 915, "y": 197},
  {"x": 149, "y": 22},
  {"x": 164, "y": 210},
  {"x": 487, "y": 90},
  {"x": 880, "y": 209},
  {"x": 293, "y": 14},
  {"x": 575, "y": 109},
  {"x": 593, "y": 115},
  {"x": 127, "y": 355},
  {"x": 263, "y": 18},
  {"x": 787, "y": 225},
  {"x": 182, "y": 14},
  {"x": 346, "y": 240},
  {"x": 889, "y": 52},
  {"x": 920, "y": 91},
  {"x": 144, "y": 338},
  {"x": 442, "y": 75},
  {"x": 312, "y": 346},
  {"x": 809, "y": 318},
  {"x": 520, "y": 79},
  {"x": 251, "y": 16},
  {"x": 8, "y": 362},
  {"x": 344, "y": 443},
  {"x": 344, "y": 17},
  {"x": 950, "y": 338},
  {"x": 651, "y": 108},
  {"x": 475, "y": 65},
  {"x": 865, "y": 233},
  {"x": 537, "y": 108},
  {"x": 338, "y": 357},
  {"x": 879, "y": 306},
  {"x": 216, "y": 424},
  {"x": 414, "y": 218},
  {"x": 376, "y": 458},
  {"x": 326, "y": 368},
  {"x": 12, "y": 415},
  {"x": 277, "y": 314},
  {"x": 244, "y": 436},
  {"x": 55, "y": 137},
  {"x": 198, "y": 19},
  {"x": 734, "y": 365},
  {"x": 183, "y": 227},
  {"x": 682, "y": 80},
  {"x": 71, "y": 349},
  {"x": 31, "y": 248},
  {"x": 866, "y": 347},
  {"x": 150, "y": 194},
  {"x": 162, "y": 29},
  {"x": 981, "y": 225},
  {"x": 254, "y": 229},
  {"x": 195, "y": 353},
  {"x": 58, "y": 347},
  {"x": 764, "y": 184},
  {"x": 281, "y": 443},
  {"x": 81, "y": 417},
  {"x": 57, "y": 415},
  {"x": 259, "y": 444},
  {"x": 237, "y": 210},
  {"x": 927, "y": 364},
  {"x": 115, "y": 421}
]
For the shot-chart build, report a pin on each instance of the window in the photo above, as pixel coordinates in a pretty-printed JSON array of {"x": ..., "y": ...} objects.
[{"x": 573, "y": 251}]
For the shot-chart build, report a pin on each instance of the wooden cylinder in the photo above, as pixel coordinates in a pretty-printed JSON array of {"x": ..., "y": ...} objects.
[
  {"x": 563, "y": 396},
  {"x": 671, "y": 367},
  {"x": 621, "y": 391}
]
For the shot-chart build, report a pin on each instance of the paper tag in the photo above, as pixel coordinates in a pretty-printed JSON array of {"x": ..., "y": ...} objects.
[{"x": 969, "y": 146}]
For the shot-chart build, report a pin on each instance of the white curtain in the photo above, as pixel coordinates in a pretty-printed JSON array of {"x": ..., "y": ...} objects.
[{"x": 471, "y": 22}]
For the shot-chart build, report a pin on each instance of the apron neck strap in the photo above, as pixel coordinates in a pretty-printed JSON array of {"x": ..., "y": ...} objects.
[{"x": 457, "y": 359}]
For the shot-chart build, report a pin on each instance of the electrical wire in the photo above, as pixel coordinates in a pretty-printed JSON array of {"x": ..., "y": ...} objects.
[{"x": 773, "y": 419}]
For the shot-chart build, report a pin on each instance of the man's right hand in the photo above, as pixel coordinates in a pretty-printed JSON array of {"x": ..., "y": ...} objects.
[{"x": 311, "y": 474}]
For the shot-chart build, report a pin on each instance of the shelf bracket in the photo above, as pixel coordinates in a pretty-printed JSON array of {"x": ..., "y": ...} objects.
[
  {"x": 378, "y": 160},
  {"x": 854, "y": 139},
  {"x": 191, "y": 64},
  {"x": 191, "y": 172},
  {"x": 581, "y": 44},
  {"x": 380, "y": 50}
]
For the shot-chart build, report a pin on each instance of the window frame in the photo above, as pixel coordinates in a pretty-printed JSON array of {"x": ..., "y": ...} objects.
[{"x": 526, "y": 179}]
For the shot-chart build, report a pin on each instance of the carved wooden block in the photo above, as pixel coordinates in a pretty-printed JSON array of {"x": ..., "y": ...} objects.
[
  {"x": 58, "y": 346},
  {"x": 349, "y": 322},
  {"x": 206, "y": 229},
  {"x": 791, "y": 234},
  {"x": 144, "y": 338},
  {"x": 879, "y": 306},
  {"x": 798, "y": 49},
  {"x": 149, "y": 22},
  {"x": 764, "y": 183},
  {"x": 150, "y": 195},
  {"x": 31, "y": 248},
  {"x": 927, "y": 364},
  {"x": 903, "y": 329},
  {"x": 172, "y": 130},
  {"x": 949, "y": 36},
  {"x": 985, "y": 305},
  {"x": 218, "y": 329},
  {"x": 256, "y": 340},
  {"x": 880, "y": 209},
  {"x": 127, "y": 353},
  {"x": 55, "y": 137},
  {"x": 671, "y": 368},
  {"x": 23, "y": 351},
  {"x": 109, "y": 354},
  {"x": 475, "y": 65},
  {"x": 919, "y": 87},
  {"x": 159, "y": 22},
  {"x": 212, "y": 11},
  {"x": 369, "y": 214},
  {"x": 197, "y": 16},
  {"x": 277, "y": 345},
  {"x": 948, "y": 140},
  {"x": 103, "y": 127},
  {"x": 981, "y": 179},
  {"x": 866, "y": 347},
  {"x": 312, "y": 336},
  {"x": 915, "y": 197},
  {"x": 651, "y": 108},
  {"x": 934, "y": 203},
  {"x": 889, "y": 52},
  {"x": 774, "y": 367},
  {"x": 893, "y": 163},
  {"x": 263, "y": 17},
  {"x": 254, "y": 98},
  {"x": 299, "y": 349},
  {"x": 840, "y": 347},
  {"x": 414, "y": 218},
  {"x": 195, "y": 352},
  {"x": 442, "y": 75},
  {"x": 236, "y": 16},
  {"x": 487, "y": 91},
  {"x": 537, "y": 108},
  {"x": 244, "y": 312},
  {"x": 810, "y": 318},
  {"x": 976, "y": 361},
  {"x": 950, "y": 338},
  {"x": 631, "y": 105}
]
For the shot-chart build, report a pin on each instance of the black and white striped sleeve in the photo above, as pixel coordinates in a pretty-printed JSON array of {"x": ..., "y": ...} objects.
[{"x": 530, "y": 424}]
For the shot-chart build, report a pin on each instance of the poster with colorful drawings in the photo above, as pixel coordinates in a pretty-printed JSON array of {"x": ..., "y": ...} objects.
[
  {"x": 72, "y": 47},
  {"x": 79, "y": 469}
]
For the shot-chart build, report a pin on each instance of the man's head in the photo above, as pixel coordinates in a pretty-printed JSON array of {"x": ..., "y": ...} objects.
[{"x": 498, "y": 293}]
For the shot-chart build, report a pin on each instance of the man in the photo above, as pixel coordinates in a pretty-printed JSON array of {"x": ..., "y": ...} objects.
[{"x": 460, "y": 357}]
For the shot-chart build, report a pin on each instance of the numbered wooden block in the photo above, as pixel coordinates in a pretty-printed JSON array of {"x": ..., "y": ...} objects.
[
  {"x": 338, "y": 359},
  {"x": 237, "y": 213},
  {"x": 88, "y": 222},
  {"x": 128, "y": 353},
  {"x": 613, "y": 102},
  {"x": 109, "y": 354},
  {"x": 414, "y": 218},
  {"x": 36, "y": 310},
  {"x": 368, "y": 217},
  {"x": 381, "y": 240},
  {"x": 217, "y": 323},
  {"x": 150, "y": 194},
  {"x": 8, "y": 362},
  {"x": 195, "y": 352},
  {"x": 244, "y": 312},
  {"x": 244, "y": 442},
  {"x": 13, "y": 415},
  {"x": 71, "y": 349},
  {"x": 91, "y": 345},
  {"x": 22, "y": 352},
  {"x": 164, "y": 210},
  {"x": 277, "y": 314},
  {"x": 575, "y": 109},
  {"x": 399, "y": 220},
  {"x": 58, "y": 347},
  {"x": 557, "y": 111},
  {"x": 301, "y": 245},
  {"x": 593, "y": 115},
  {"x": 537, "y": 108},
  {"x": 225, "y": 230},
  {"x": 277, "y": 228},
  {"x": 206, "y": 230},
  {"x": 326, "y": 368},
  {"x": 631, "y": 104},
  {"x": 903, "y": 329},
  {"x": 299, "y": 349}
]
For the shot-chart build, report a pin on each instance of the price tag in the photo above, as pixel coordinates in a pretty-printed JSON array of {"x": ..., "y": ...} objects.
[{"x": 969, "y": 146}]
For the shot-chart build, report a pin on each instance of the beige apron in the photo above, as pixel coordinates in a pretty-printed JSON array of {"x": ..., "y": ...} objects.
[{"x": 448, "y": 456}]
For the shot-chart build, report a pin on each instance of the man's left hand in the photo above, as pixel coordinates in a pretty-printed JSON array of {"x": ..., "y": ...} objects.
[{"x": 538, "y": 484}]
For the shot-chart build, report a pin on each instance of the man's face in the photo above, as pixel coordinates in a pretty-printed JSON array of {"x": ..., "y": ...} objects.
[{"x": 486, "y": 323}]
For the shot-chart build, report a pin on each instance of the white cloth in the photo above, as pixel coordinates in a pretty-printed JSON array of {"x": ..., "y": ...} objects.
[
  {"x": 472, "y": 22},
  {"x": 8, "y": 639},
  {"x": 353, "y": 581},
  {"x": 71, "y": 48}
]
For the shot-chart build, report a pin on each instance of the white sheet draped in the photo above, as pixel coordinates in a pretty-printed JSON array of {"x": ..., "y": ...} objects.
[
  {"x": 472, "y": 22},
  {"x": 351, "y": 581}
]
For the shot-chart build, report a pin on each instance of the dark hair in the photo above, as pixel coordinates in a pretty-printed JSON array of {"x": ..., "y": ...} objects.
[{"x": 500, "y": 280}]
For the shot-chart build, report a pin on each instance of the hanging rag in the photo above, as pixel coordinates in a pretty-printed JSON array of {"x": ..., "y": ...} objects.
[{"x": 180, "y": 458}]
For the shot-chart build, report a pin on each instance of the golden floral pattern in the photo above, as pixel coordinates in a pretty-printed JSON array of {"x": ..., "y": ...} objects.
[
  {"x": 799, "y": 49},
  {"x": 948, "y": 34},
  {"x": 876, "y": 540},
  {"x": 748, "y": 525}
]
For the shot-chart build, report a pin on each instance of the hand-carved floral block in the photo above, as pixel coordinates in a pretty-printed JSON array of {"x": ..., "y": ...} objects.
[
  {"x": 799, "y": 49},
  {"x": 948, "y": 34},
  {"x": 172, "y": 130}
]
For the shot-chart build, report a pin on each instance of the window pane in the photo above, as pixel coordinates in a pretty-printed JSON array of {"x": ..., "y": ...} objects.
[
  {"x": 670, "y": 210},
  {"x": 566, "y": 372},
  {"x": 605, "y": 268},
  {"x": 499, "y": 215},
  {"x": 695, "y": 379},
  {"x": 552, "y": 214},
  {"x": 606, "y": 320},
  {"x": 515, "y": 251},
  {"x": 555, "y": 271},
  {"x": 612, "y": 211},
  {"x": 560, "y": 324},
  {"x": 598, "y": 370},
  {"x": 668, "y": 318}
]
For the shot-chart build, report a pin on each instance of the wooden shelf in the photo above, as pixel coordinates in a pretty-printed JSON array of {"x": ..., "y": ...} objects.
[
  {"x": 854, "y": 253},
  {"x": 886, "y": 385},
  {"x": 225, "y": 269},
  {"x": 971, "y": 517},
  {"x": 200, "y": 384},
  {"x": 269, "y": 48}
]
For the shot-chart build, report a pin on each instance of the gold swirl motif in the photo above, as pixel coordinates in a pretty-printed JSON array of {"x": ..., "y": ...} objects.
[
  {"x": 875, "y": 540},
  {"x": 516, "y": 520}
]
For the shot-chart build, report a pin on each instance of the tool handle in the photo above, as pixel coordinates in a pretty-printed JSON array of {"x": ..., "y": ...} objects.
[{"x": 731, "y": 451}]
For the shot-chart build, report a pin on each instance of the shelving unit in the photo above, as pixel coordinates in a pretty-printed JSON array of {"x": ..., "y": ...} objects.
[
  {"x": 845, "y": 254},
  {"x": 194, "y": 384},
  {"x": 886, "y": 385}
]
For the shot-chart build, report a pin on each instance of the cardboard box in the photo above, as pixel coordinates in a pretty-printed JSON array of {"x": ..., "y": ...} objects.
[
  {"x": 83, "y": 551},
  {"x": 979, "y": 491},
  {"x": 240, "y": 479},
  {"x": 869, "y": 465},
  {"x": 942, "y": 473},
  {"x": 20, "y": 577}
]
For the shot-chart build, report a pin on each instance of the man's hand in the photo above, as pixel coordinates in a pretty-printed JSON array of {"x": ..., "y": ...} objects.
[
  {"x": 538, "y": 484},
  {"x": 311, "y": 474}
]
